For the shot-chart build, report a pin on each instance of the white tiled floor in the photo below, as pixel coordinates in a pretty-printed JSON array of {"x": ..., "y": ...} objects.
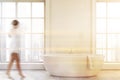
[{"x": 43, "y": 75}]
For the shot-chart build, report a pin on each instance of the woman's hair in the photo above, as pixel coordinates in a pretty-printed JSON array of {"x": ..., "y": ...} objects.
[{"x": 15, "y": 22}]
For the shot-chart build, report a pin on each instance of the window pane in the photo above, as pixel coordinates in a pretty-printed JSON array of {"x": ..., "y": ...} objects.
[
  {"x": 114, "y": 26},
  {"x": 27, "y": 40},
  {"x": 37, "y": 26},
  {"x": 38, "y": 9},
  {"x": 113, "y": 9},
  {"x": 0, "y": 26},
  {"x": 0, "y": 9},
  {"x": 24, "y": 9},
  {"x": 3, "y": 41},
  {"x": 5, "y": 57},
  {"x": 25, "y": 55},
  {"x": 101, "y": 9},
  {"x": 8, "y": 41},
  {"x": 100, "y": 41},
  {"x": 111, "y": 55},
  {"x": 6, "y": 25},
  {"x": 101, "y": 25},
  {"x": 25, "y": 24},
  {"x": 37, "y": 55},
  {"x": 37, "y": 41},
  {"x": 113, "y": 41},
  {"x": 8, "y": 9}
]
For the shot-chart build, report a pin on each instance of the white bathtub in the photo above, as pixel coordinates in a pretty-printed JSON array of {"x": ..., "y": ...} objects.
[{"x": 73, "y": 65}]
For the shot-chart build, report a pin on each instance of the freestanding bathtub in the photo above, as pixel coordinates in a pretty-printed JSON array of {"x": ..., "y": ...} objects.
[{"x": 73, "y": 65}]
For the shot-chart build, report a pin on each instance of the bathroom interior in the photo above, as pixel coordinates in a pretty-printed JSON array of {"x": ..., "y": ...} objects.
[{"x": 63, "y": 39}]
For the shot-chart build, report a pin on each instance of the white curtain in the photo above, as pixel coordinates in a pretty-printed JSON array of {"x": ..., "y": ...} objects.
[{"x": 108, "y": 28}]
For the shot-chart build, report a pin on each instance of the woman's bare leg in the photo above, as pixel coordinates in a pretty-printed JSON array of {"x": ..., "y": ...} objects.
[
  {"x": 10, "y": 65},
  {"x": 18, "y": 65}
]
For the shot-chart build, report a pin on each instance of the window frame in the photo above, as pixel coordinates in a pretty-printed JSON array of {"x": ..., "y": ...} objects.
[
  {"x": 106, "y": 65},
  {"x": 32, "y": 1}
]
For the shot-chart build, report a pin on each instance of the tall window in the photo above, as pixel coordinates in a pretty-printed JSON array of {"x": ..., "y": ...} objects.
[
  {"x": 108, "y": 30},
  {"x": 31, "y": 17}
]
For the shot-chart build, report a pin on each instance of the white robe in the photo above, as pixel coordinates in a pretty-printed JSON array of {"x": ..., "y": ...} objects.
[{"x": 15, "y": 40}]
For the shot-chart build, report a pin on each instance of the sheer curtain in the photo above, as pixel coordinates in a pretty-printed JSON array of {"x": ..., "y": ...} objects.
[{"x": 108, "y": 29}]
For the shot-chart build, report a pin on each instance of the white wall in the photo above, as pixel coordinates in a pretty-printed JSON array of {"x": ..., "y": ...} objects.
[{"x": 68, "y": 25}]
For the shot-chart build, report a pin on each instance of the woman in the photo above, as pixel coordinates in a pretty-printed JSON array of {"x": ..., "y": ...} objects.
[{"x": 15, "y": 35}]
